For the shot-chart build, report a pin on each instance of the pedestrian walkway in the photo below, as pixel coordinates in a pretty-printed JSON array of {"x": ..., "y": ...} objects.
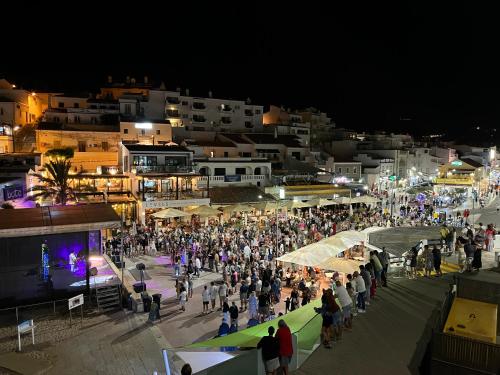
[{"x": 391, "y": 337}]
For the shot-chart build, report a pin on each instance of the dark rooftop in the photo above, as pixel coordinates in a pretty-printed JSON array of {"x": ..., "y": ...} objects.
[
  {"x": 46, "y": 217},
  {"x": 236, "y": 138},
  {"x": 263, "y": 138},
  {"x": 78, "y": 127},
  {"x": 238, "y": 194},
  {"x": 472, "y": 162},
  {"x": 216, "y": 143},
  {"x": 151, "y": 148}
]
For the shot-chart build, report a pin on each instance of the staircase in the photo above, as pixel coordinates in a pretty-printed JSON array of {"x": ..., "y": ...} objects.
[{"x": 108, "y": 298}]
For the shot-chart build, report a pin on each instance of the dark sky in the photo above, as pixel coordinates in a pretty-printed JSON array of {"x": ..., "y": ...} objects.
[{"x": 367, "y": 64}]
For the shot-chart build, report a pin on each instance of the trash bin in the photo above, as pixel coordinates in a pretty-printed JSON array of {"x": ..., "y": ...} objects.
[
  {"x": 156, "y": 299},
  {"x": 146, "y": 301}
]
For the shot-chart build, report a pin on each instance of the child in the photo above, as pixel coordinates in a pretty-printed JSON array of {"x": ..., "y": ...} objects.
[
  {"x": 352, "y": 294},
  {"x": 287, "y": 305}
]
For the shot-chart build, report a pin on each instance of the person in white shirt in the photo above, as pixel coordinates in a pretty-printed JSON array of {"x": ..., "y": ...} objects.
[
  {"x": 72, "y": 261},
  {"x": 361, "y": 288},
  {"x": 345, "y": 302},
  {"x": 197, "y": 267},
  {"x": 214, "y": 291},
  {"x": 205, "y": 297},
  {"x": 183, "y": 299},
  {"x": 246, "y": 252},
  {"x": 258, "y": 287},
  {"x": 222, "y": 294}
]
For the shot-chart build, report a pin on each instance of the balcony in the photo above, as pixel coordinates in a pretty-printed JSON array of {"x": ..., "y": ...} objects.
[
  {"x": 199, "y": 119},
  {"x": 163, "y": 169},
  {"x": 173, "y": 113},
  {"x": 172, "y": 100},
  {"x": 226, "y": 120},
  {"x": 172, "y": 195},
  {"x": 248, "y": 112},
  {"x": 197, "y": 106},
  {"x": 228, "y": 179}
]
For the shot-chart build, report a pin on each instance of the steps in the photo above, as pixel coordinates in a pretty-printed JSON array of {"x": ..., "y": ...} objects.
[{"x": 108, "y": 298}]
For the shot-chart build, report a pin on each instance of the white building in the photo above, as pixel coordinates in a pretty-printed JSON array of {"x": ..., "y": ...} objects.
[
  {"x": 233, "y": 171},
  {"x": 421, "y": 165},
  {"x": 444, "y": 154},
  {"x": 150, "y": 133}
]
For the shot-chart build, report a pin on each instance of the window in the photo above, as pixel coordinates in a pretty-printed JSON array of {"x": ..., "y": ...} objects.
[
  {"x": 296, "y": 155},
  {"x": 185, "y": 103},
  {"x": 143, "y": 132},
  {"x": 257, "y": 111},
  {"x": 1, "y": 111},
  {"x": 355, "y": 170},
  {"x": 219, "y": 171},
  {"x": 236, "y": 107},
  {"x": 347, "y": 170},
  {"x": 246, "y": 154},
  {"x": 158, "y": 132},
  {"x": 248, "y": 124},
  {"x": 60, "y": 105},
  {"x": 339, "y": 169},
  {"x": 199, "y": 105},
  {"x": 199, "y": 118},
  {"x": 105, "y": 146},
  {"x": 144, "y": 160},
  {"x": 128, "y": 109},
  {"x": 76, "y": 105},
  {"x": 225, "y": 120},
  {"x": 185, "y": 115},
  {"x": 226, "y": 154},
  {"x": 240, "y": 170},
  {"x": 125, "y": 131},
  {"x": 82, "y": 146}
]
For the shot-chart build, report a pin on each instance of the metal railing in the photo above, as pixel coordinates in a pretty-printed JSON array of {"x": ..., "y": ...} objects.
[{"x": 164, "y": 169}]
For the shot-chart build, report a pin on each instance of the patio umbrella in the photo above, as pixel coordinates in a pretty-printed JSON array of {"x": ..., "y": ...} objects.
[
  {"x": 365, "y": 199},
  {"x": 265, "y": 206},
  {"x": 316, "y": 253},
  {"x": 295, "y": 204},
  {"x": 170, "y": 213},
  {"x": 341, "y": 265},
  {"x": 343, "y": 200},
  {"x": 238, "y": 208},
  {"x": 204, "y": 211},
  {"x": 320, "y": 202}
]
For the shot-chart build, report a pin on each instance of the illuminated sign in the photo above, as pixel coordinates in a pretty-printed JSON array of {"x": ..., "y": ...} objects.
[
  {"x": 456, "y": 163},
  {"x": 13, "y": 192},
  {"x": 143, "y": 125}
]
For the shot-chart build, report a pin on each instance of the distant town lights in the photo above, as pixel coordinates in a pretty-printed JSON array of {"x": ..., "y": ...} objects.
[{"x": 143, "y": 125}]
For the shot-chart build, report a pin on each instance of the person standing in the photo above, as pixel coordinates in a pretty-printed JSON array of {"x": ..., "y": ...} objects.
[
  {"x": 183, "y": 299},
  {"x": 284, "y": 336},
  {"x": 214, "y": 291},
  {"x": 368, "y": 283},
  {"x": 384, "y": 259},
  {"x": 428, "y": 257},
  {"x": 205, "y": 296},
  {"x": 270, "y": 351},
  {"x": 436, "y": 255},
  {"x": 361, "y": 289},
  {"x": 233, "y": 314},
  {"x": 345, "y": 303},
  {"x": 243, "y": 295},
  {"x": 222, "y": 294}
]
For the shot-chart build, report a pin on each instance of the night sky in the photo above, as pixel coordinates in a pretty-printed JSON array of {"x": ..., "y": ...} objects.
[{"x": 367, "y": 65}]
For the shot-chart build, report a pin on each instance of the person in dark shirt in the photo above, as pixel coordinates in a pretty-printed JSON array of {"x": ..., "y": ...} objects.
[
  {"x": 233, "y": 313},
  {"x": 270, "y": 346}
]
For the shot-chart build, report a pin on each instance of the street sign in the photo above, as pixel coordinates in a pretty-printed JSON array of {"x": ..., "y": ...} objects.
[
  {"x": 24, "y": 327},
  {"x": 75, "y": 301}
]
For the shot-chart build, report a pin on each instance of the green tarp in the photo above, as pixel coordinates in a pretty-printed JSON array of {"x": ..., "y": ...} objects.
[{"x": 304, "y": 321}]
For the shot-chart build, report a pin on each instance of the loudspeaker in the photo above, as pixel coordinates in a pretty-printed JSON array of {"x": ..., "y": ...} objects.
[
  {"x": 140, "y": 266},
  {"x": 93, "y": 271},
  {"x": 139, "y": 287},
  {"x": 119, "y": 264}
]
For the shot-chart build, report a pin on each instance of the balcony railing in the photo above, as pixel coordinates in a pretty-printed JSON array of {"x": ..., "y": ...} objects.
[
  {"x": 172, "y": 195},
  {"x": 220, "y": 180},
  {"x": 173, "y": 113},
  {"x": 172, "y": 100},
  {"x": 143, "y": 169}
]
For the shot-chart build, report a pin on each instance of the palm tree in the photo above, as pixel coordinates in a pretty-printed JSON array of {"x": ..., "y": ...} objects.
[{"x": 54, "y": 184}]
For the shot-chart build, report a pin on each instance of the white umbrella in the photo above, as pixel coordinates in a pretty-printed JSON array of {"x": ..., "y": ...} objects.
[
  {"x": 316, "y": 253},
  {"x": 365, "y": 199},
  {"x": 343, "y": 200},
  {"x": 320, "y": 202},
  {"x": 204, "y": 211},
  {"x": 341, "y": 265},
  {"x": 238, "y": 208},
  {"x": 169, "y": 213}
]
